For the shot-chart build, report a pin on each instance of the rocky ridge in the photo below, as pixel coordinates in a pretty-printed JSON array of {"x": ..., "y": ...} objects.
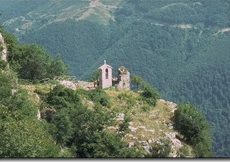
[{"x": 3, "y": 49}]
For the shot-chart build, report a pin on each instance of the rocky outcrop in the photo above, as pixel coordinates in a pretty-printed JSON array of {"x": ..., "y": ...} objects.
[
  {"x": 171, "y": 105},
  {"x": 86, "y": 85},
  {"x": 3, "y": 49},
  {"x": 78, "y": 84},
  {"x": 68, "y": 84},
  {"x": 152, "y": 128}
]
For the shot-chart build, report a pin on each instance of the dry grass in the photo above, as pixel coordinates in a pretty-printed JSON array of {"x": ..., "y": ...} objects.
[{"x": 148, "y": 123}]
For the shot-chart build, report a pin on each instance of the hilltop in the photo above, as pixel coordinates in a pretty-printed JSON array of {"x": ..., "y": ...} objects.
[{"x": 144, "y": 124}]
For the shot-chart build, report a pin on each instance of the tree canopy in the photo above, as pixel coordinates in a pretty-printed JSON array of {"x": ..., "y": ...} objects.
[{"x": 195, "y": 128}]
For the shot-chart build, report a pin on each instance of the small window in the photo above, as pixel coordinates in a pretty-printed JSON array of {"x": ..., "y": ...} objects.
[{"x": 106, "y": 73}]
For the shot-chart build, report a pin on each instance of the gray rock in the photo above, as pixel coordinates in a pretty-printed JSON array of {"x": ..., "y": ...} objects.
[
  {"x": 131, "y": 144},
  {"x": 3, "y": 47},
  {"x": 68, "y": 84},
  {"x": 133, "y": 129},
  {"x": 121, "y": 117}
]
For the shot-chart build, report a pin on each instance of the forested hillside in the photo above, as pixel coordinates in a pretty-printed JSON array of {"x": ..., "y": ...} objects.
[
  {"x": 40, "y": 117},
  {"x": 180, "y": 46}
]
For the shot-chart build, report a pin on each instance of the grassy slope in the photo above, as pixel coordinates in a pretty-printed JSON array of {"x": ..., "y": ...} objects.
[
  {"x": 146, "y": 124},
  {"x": 151, "y": 123}
]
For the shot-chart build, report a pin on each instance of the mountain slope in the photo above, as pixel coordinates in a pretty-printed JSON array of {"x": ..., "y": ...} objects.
[
  {"x": 144, "y": 124},
  {"x": 39, "y": 14},
  {"x": 180, "y": 46},
  {"x": 33, "y": 110}
]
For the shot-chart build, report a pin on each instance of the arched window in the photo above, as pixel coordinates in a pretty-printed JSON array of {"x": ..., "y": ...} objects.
[{"x": 106, "y": 73}]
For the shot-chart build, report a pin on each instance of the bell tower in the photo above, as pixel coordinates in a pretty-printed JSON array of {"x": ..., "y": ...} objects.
[{"x": 105, "y": 77}]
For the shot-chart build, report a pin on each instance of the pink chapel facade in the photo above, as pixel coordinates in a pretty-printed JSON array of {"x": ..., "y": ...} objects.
[{"x": 105, "y": 76}]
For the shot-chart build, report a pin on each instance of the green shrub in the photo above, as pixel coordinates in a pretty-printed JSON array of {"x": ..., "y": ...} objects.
[
  {"x": 124, "y": 126},
  {"x": 21, "y": 134},
  {"x": 136, "y": 82},
  {"x": 3, "y": 64},
  {"x": 193, "y": 125},
  {"x": 5, "y": 86},
  {"x": 62, "y": 97},
  {"x": 129, "y": 99},
  {"x": 145, "y": 108},
  {"x": 99, "y": 96},
  {"x": 150, "y": 95},
  {"x": 32, "y": 62},
  {"x": 25, "y": 138},
  {"x": 160, "y": 149},
  {"x": 184, "y": 151},
  {"x": 81, "y": 129}
]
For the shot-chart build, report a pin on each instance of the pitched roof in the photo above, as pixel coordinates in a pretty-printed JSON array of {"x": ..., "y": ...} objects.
[{"x": 105, "y": 66}]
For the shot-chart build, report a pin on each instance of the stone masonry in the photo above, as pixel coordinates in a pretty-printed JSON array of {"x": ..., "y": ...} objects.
[
  {"x": 123, "y": 78},
  {"x": 106, "y": 80}
]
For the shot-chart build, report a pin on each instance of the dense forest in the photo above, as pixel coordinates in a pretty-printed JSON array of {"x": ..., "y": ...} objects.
[{"x": 179, "y": 46}]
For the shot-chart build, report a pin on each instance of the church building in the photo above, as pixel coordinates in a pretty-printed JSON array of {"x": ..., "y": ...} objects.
[
  {"x": 106, "y": 80},
  {"x": 105, "y": 77}
]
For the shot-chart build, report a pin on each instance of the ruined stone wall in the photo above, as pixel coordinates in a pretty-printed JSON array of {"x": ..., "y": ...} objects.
[{"x": 123, "y": 79}]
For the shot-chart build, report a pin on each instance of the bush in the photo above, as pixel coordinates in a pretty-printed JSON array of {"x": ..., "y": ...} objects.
[
  {"x": 160, "y": 149},
  {"x": 129, "y": 99},
  {"x": 62, "y": 97},
  {"x": 146, "y": 108},
  {"x": 3, "y": 64},
  {"x": 31, "y": 62},
  {"x": 124, "y": 126},
  {"x": 99, "y": 96},
  {"x": 25, "y": 138},
  {"x": 21, "y": 134},
  {"x": 57, "y": 68},
  {"x": 184, "y": 151},
  {"x": 5, "y": 86},
  {"x": 81, "y": 129},
  {"x": 193, "y": 125},
  {"x": 136, "y": 82},
  {"x": 150, "y": 95}
]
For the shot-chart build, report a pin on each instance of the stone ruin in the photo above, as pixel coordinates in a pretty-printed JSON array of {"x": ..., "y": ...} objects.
[
  {"x": 123, "y": 81},
  {"x": 106, "y": 80}
]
